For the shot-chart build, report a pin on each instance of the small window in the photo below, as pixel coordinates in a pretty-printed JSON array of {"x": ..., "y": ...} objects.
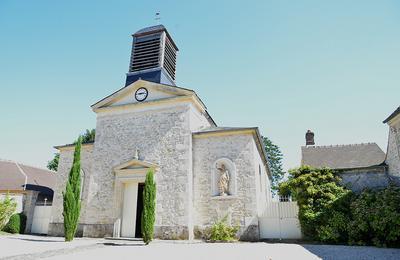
[
  {"x": 259, "y": 173},
  {"x": 82, "y": 182}
]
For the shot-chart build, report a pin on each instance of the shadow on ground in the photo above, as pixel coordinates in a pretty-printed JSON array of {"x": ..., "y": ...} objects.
[
  {"x": 120, "y": 244},
  {"x": 352, "y": 252},
  {"x": 36, "y": 240}
]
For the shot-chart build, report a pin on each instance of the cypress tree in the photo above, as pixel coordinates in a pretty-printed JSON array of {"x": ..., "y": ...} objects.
[
  {"x": 149, "y": 206},
  {"x": 71, "y": 196}
]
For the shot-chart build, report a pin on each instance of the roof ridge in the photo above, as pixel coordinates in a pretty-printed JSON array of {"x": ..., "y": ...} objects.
[
  {"x": 339, "y": 145},
  {"x": 36, "y": 167},
  {"x": 23, "y": 164}
]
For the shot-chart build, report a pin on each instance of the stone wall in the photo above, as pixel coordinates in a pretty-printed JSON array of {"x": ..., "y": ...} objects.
[
  {"x": 367, "y": 178},
  {"x": 162, "y": 137},
  {"x": 64, "y": 166},
  {"x": 393, "y": 151},
  {"x": 241, "y": 209},
  {"x": 29, "y": 208}
]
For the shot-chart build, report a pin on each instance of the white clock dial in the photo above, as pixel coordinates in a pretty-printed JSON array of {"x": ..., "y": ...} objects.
[{"x": 141, "y": 94}]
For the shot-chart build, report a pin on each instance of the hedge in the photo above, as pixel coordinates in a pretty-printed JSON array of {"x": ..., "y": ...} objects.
[{"x": 16, "y": 224}]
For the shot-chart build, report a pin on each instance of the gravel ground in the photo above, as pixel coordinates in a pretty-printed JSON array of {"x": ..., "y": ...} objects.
[{"x": 35, "y": 247}]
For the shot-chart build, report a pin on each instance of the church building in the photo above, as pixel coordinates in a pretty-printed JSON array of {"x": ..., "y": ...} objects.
[{"x": 203, "y": 172}]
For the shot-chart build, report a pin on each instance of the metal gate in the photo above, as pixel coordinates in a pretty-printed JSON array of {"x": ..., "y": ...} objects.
[
  {"x": 280, "y": 221},
  {"x": 41, "y": 219}
]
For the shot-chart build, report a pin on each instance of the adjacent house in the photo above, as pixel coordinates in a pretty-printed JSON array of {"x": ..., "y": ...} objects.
[
  {"x": 393, "y": 148},
  {"x": 28, "y": 185},
  {"x": 360, "y": 165}
]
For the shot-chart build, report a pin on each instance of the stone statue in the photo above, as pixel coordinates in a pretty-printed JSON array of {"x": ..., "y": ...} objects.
[{"x": 223, "y": 183}]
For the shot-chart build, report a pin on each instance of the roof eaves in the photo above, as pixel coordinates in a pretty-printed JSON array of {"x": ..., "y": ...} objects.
[
  {"x": 58, "y": 147},
  {"x": 392, "y": 115}
]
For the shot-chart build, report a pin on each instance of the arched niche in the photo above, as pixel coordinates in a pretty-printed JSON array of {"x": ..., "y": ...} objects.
[{"x": 215, "y": 176}]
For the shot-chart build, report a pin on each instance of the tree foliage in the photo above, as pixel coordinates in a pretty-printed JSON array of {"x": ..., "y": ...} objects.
[
  {"x": 87, "y": 137},
  {"x": 7, "y": 208},
  {"x": 330, "y": 213},
  {"x": 275, "y": 157},
  {"x": 53, "y": 164},
  {"x": 149, "y": 207},
  {"x": 375, "y": 218},
  {"x": 315, "y": 191},
  {"x": 71, "y": 196}
]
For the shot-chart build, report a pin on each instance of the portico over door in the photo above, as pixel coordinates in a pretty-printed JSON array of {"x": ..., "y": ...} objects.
[{"x": 131, "y": 176}]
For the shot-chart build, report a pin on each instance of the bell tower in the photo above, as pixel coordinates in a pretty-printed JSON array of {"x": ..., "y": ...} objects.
[{"x": 153, "y": 56}]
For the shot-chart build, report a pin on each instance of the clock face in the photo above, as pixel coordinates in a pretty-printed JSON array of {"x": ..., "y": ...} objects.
[{"x": 141, "y": 94}]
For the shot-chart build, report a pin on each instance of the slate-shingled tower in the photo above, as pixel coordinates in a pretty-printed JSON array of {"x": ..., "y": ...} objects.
[{"x": 153, "y": 56}]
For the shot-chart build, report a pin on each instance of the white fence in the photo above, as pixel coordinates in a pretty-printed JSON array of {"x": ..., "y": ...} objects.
[
  {"x": 41, "y": 219},
  {"x": 280, "y": 221}
]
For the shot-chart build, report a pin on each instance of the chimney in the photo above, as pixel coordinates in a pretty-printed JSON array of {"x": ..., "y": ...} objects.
[{"x": 309, "y": 138}]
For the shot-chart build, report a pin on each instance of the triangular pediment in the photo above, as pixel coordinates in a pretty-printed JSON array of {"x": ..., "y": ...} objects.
[
  {"x": 136, "y": 164},
  {"x": 155, "y": 91}
]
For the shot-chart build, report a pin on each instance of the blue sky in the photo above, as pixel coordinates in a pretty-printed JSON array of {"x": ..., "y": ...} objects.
[{"x": 285, "y": 66}]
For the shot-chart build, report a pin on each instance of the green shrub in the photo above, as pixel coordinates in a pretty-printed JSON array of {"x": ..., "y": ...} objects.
[
  {"x": 334, "y": 222},
  {"x": 16, "y": 224},
  {"x": 316, "y": 191},
  {"x": 330, "y": 213},
  {"x": 376, "y": 218},
  {"x": 221, "y": 231},
  {"x": 7, "y": 208},
  {"x": 149, "y": 206}
]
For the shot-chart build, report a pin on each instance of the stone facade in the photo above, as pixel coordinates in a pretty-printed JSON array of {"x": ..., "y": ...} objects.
[
  {"x": 65, "y": 163},
  {"x": 243, "y": 207},
  {"x": 393, "y": 150},
  {"x": 368, "y": 178},
  {"x": 29, "y": 207},
  {"x": 163, "y": 133}
]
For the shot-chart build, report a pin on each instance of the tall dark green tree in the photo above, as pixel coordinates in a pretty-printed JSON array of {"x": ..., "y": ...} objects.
[
  {"x": 149, "y": 207},
  {"x": 275, "y": 157},
  {"x": 87, "y": 137},
  {"x": 71, "y": 196}
]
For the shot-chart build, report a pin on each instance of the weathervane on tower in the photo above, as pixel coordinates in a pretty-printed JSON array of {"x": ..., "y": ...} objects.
[{"x": 157, "y": 18}]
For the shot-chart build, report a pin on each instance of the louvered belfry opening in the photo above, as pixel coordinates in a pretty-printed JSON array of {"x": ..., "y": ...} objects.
[
  {"x": 146, "y": 53},
  {"x": 170, "y": 58},
  {"x": 153, "y": 48}
]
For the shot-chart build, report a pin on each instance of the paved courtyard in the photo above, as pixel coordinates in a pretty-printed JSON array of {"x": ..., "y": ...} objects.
[{"x": 37, "y": 247}]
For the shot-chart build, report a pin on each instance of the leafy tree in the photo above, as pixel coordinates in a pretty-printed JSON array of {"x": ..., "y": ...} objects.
[
  {"x": 71, "y": 196},
  {"x": 149, "y": 206},
  {"x": 87, "y": 137},
  {"x": 53, "y": 164},
  {"x": 376, "y": 218},
  {"x": 275, "y": 157},
  {"x": 316, "y": 192},
  {"x": 7, "y": 208}
]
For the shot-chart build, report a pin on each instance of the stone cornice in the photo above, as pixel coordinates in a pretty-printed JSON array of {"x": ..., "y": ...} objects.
[{"x": 67, "y": 147}]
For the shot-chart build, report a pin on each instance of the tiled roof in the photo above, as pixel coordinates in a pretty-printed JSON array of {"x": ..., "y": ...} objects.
[
  {"x": 343, "y": 156},
  {"x": 12, "y": 176},
  {"x": 392, "y": 115}
]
